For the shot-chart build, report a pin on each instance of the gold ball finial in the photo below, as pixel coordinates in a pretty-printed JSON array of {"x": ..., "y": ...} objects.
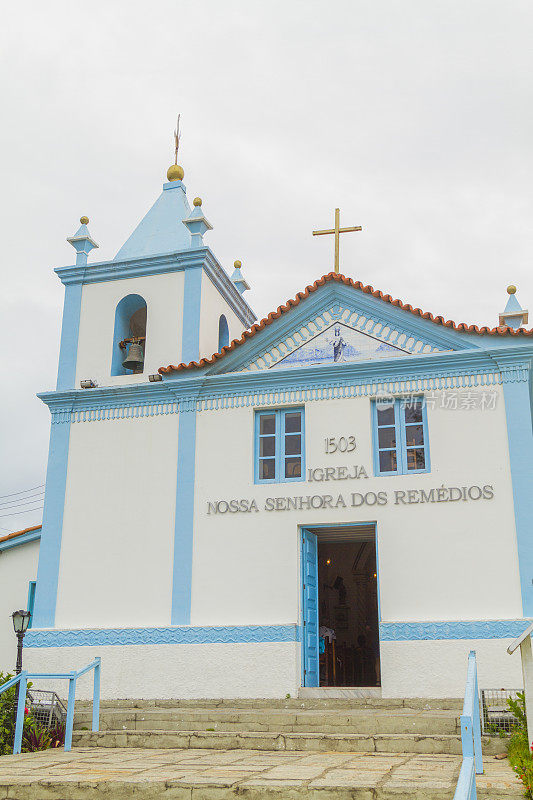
[
  {"x": 84, "y": 220},
  {"x": 237, "y": 264},
  {"x": 175, "y": 173},
  {"x": 197, "y": 201},
  {"x": 511, "y": 289}
]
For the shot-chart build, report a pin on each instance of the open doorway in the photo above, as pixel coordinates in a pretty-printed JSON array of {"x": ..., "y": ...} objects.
[{"x": 341, "y": 616}]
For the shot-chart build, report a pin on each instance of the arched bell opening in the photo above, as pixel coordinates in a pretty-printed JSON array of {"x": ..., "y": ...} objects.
[
  {"x": 129, "y": 336},
  {"x": 223, "y": 333}
]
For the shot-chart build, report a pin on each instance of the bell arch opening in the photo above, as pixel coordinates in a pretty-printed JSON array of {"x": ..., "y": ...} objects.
[
  {"x": 129, "y": 336},
  {"x": 223, "y": 333}
]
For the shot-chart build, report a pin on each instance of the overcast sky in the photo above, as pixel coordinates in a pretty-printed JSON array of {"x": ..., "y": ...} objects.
[{"x": 414, "y": 117}]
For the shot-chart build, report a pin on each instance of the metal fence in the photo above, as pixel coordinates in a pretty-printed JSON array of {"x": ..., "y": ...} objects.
[
  {"x": 46, "y": 707},
  {"x": 496, "y": 716}
]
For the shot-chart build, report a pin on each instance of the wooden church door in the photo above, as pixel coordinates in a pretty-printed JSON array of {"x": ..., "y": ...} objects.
[{"x": 310, "y": 608}]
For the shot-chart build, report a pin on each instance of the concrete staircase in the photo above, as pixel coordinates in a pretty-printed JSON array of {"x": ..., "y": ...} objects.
[
  {"x": 300, "y": 749},
  {"x": 370, "y": 725}
]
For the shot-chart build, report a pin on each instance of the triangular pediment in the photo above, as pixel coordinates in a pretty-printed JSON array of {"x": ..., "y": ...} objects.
[
  {"x": 342, "y": 334},
  {"x": 338, "y": 324},
  {"x": 337, "y": 344}
]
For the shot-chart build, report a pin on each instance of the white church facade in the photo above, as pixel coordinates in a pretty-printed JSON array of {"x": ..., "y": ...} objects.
[{"x": 339, "y": 497}]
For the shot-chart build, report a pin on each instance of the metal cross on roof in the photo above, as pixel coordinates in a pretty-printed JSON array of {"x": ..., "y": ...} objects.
[{"x": 337, "y": 230}]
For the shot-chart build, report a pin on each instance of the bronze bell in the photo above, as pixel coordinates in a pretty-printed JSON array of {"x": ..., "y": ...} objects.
[{"x": 135, "y": 358}]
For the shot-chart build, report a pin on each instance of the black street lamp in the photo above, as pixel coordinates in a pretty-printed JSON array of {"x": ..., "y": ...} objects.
[{"x": 21, "y": 620}]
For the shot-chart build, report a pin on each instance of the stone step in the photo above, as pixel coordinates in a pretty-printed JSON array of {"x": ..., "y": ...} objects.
[
  {"x": 94, "y": 773},
  {"x": 362, "y": 721},
  {"x": 310, "y": 703},
  {"x": 449, "y": 744}
]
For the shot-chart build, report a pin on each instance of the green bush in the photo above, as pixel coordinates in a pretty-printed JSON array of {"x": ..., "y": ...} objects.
[
  {"x": 7, "y": 717},
  {"x": 518, "y": 751}
]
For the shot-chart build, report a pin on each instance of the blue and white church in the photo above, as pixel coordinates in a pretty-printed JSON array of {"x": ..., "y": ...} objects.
[{"x": 336, "y": 496}]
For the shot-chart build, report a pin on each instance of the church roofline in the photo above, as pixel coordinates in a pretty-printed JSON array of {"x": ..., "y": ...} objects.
[
  {"x": 462, "y": 327},
  {"x": 20, "y": 537}
]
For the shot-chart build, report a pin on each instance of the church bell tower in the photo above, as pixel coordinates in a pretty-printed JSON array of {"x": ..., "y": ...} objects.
[{"x": 163, "y": 299}]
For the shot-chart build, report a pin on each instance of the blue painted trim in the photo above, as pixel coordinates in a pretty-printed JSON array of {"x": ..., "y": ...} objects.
[
  {"x": 310, "y": 604},
  {"x": 24, "y": 538},
  {"x": 517, "y": 400},
  {"x": 236, "y": 634},
  {"x": 52, "y": 528},
  {"x": 192, "y": 301},
  {"x": 184, "y": 520},
  {"x": 70, "y": 328},
  {"x": 460, "y": 629},
  {"x": 401, "y": 441},
  {"x": 279, "y": 453},
  {"x": 31, "y": 601},
  {"x": 160, "y": 264},
  {"x": 377, "y": 571}
]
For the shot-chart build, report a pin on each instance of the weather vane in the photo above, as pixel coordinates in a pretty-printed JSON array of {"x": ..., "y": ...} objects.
[
  {"x": 177, "y": 137},
  {"x": 337, "y": 230}
]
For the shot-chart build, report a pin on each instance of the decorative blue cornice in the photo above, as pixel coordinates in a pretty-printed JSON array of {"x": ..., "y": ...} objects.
[
  {"x": 456, "y": 629},
  {"x": 158, "y": 265},
  {"x": 514, "y": 365},
  {"x": 23, "y": 538},
  {"x": 235, "y": 634},
  {"x": 197, "y": 391}
]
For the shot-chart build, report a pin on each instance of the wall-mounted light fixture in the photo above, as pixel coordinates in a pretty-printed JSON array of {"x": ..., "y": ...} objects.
[
  {"x": 156, "y": 377},
  {"x": 88, "y": 384}
]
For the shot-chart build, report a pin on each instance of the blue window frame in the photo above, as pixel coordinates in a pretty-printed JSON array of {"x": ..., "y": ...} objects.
[
  {"x": 279, "y": 445},
  {"x": 401, "y": 444},
  {"x": 31, "y": 600}
]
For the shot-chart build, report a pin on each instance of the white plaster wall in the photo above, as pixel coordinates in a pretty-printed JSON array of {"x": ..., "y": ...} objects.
[
  {"x": 437, "y": 561},
  {"x": 184, "y": 671},
  {"x": 438, "y": 668},
  {"x": 18, "y": 566},
  {"x": 164, "y": 299},
  {"x": 118, "y": 524},
  {"x": 213, "y": 305}
]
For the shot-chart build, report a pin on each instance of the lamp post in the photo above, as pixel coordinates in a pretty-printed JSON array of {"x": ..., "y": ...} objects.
[{"x": 21, "y": 620}]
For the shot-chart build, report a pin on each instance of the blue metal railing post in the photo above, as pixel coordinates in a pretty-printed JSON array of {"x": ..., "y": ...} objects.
[
  {"x": 470, "y": 736},
  {"x": 467, "y": 739},
  {"x": 478, "y": 753},
  {"x": 96, "y": 695},
  {"x": 21, "y": 707},
  {"x": 70, "y": 711}
]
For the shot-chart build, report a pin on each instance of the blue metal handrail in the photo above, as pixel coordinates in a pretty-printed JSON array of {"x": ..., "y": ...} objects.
[
  {"x": 470, "y": 736},
  {"x": 23, "y": 678}
]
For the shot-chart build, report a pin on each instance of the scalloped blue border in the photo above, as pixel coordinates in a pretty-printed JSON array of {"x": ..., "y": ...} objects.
[
  {"x": 467, "y": 629},
  {"x": 259, "y": 634},
  {"x": 236, "y": 634}
]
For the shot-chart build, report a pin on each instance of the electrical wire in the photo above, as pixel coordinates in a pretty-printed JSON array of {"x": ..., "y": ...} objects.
[
  {"x": 23, "y": 491},
  {"x": 31, "y": 498},
  {"x": 27, "y": 511}
]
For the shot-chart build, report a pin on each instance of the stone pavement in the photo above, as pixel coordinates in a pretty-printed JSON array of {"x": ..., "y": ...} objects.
[{"x": 119, "y": 773}]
